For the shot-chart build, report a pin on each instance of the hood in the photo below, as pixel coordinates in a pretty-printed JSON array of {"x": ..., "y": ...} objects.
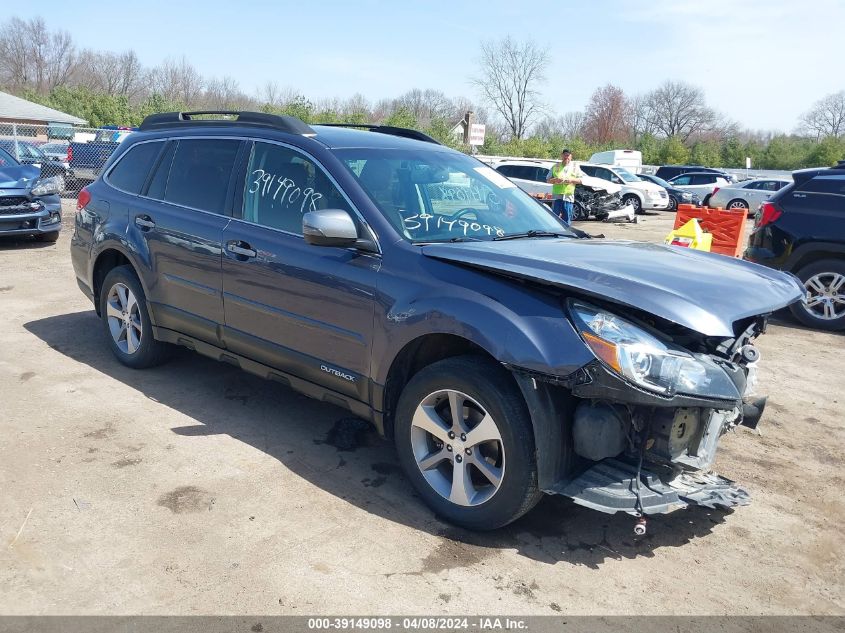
[
  {"x": 644, "y": 185},
  {"x": 18, "y": 176},
  {"x": 600, "y": 183},
  {"x": 704, "y": 292}
]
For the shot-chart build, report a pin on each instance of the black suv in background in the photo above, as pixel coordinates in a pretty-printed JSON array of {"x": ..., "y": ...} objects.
[
  {"x": 505, "y": 354},
  {"x": 667, "y": 172},
  {"x": 801, "y": 229}
]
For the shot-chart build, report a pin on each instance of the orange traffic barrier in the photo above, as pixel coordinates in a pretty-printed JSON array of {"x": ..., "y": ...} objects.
[{"x": 727, "y": 227}]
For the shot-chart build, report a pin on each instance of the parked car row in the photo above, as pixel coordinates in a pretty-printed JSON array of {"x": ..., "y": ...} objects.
[{"x": 531, "y": 175}]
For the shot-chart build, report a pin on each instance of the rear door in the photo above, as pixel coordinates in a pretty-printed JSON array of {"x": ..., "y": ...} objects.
[
  {"x": 179, "y": 221},
  {"x": 815, "y": 209},
  {"x": 306, "y": 310}
]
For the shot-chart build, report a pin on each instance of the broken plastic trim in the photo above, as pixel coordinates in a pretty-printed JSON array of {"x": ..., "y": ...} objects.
[{"x": 610, "y": 486}]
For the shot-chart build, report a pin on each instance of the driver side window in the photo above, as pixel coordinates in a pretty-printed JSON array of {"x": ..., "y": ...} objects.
[{"x": 282, "y": 185}]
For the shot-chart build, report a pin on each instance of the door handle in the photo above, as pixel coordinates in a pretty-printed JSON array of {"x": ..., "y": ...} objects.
[
  {"x": 144, "y": 222},
  {"x": 239, "y": 247}
]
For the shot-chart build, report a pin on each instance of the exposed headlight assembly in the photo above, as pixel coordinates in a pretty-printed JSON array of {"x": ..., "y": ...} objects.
[
  {"x": 646, "y": 361},
  {"x": 686, "y": 195},
  {"x": 46, "y": 187}
]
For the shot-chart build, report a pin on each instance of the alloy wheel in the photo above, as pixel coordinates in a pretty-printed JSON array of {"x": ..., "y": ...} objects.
[
  {"x": 825, "y": 297},
  {"x": 124, "y": 318},
  {"x": 458, "y": 447},
  {"x": 737, "y": 204}
]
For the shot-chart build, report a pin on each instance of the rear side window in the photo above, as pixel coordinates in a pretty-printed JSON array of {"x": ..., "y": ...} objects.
[
  {"x": 132, "y": 169},
  {"x": 199, "y": 175},
  {"x": 824, "y": 184},
  {"x": 703, "y": 179}
]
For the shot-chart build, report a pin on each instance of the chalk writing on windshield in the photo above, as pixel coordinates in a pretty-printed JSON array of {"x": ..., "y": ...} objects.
[
  {"x": 283, "y": 190},
  {"x": 428, "y": 222},
  {"x": 462, "y": 193}
]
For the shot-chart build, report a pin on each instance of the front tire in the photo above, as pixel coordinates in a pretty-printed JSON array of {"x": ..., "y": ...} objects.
[
  {"x": 123, "y": 308},
  {"x": 823, "y": 307},
  {"x": 673, "y": 204},
  {"x": 464, "y": 438},
  {"x": 634, "y": 201}
]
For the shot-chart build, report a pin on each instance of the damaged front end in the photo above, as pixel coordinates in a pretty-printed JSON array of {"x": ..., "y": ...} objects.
[{"x": 648, "y": 414}]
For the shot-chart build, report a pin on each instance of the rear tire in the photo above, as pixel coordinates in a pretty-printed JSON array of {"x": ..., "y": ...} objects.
[
  {"x": 824, "y": 305},
  {"x": 738, "y": 204},
  {"x": 123, "y": 308},
  {"x": 480, "y": 485},
  {"x": 706, "y": 201}
]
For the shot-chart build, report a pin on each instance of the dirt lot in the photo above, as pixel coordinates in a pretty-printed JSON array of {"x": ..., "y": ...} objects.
[{"x": 197, "y": 488}]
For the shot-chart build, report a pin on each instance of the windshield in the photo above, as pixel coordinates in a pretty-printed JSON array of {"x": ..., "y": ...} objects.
[
  {"x": 441, "y": 196},
  {"x": 626, "y": 175},
  {"x": 659, "y": 181},
  {"x": 6, "y": 159}
]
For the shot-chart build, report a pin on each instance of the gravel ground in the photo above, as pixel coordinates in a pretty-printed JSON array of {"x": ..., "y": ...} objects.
[{"x": 195, "y": 488}]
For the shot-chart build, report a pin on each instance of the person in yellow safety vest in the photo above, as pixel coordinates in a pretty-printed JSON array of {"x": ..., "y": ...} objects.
[{"x": 563, "y": 177}]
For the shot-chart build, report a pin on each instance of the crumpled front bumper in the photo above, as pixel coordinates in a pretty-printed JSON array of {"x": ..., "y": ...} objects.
[
  {"x": 611, "y": 486},
  {"x": 42, "y": 215}
]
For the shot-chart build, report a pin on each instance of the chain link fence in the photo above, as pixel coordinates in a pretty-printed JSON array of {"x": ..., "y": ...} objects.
[{"x": 73, "y": 155}]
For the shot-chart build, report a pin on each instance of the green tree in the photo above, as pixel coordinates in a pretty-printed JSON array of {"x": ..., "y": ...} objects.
[
  {"x": 673, "y": 152},
  {"x": 707, "y": 153},
  {"x": 649, "y": 146},
  {"x": 827, "y": 152},
  {"x": 153, "y": 104},
  {"x": 402, "y": 117}
]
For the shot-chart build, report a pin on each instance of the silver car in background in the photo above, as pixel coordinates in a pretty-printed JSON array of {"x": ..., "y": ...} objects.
[{"x": 748, "y": 195}]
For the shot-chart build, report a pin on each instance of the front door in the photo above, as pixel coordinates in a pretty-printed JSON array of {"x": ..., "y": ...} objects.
[{"x": 306, "y": 310}]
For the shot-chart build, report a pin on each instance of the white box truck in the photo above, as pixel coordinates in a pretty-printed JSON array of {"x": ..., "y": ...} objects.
[{"x": 630, "y": 159}]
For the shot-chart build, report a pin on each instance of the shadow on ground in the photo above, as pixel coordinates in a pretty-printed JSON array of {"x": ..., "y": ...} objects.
[{"x": 344, "y": 457}]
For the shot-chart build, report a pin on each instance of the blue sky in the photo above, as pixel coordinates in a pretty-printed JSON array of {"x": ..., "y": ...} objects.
[{"x": 760, "y": 62}]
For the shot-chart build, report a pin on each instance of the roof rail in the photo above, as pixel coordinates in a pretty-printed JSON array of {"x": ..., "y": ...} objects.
[
  {"x": 387, "y": 129},
  {"x": 281, "y": 122}
]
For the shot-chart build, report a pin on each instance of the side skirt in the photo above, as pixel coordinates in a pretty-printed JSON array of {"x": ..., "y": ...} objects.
[{"x": 304, "y": 387}]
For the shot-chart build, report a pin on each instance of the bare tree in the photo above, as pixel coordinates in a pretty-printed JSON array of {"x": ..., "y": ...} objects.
[
  {"x": 177, "y": 81},
  {"x": 568, "y": 126},
  {"x": 224, "y": 94},
  {"x": 676, "y": 109},
  {"x": 608, "y": 116},
  {"x": 32, "y": 57},
  {"x": 510, "y": 75},
  {"x": 826, "y": 117}
]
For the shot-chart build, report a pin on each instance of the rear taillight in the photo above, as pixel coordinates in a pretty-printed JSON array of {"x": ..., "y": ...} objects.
[
  {"x": 69, "y": 153},
  {"x": 83, "y": 199},
  {"x": 769, "y": 212},
  {"x": 715, "y": 189}
]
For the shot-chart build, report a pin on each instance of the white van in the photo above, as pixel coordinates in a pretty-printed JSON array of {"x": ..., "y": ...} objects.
[
  {"x": 630, "y": 159},
  {"x": 639, "y": 193}
]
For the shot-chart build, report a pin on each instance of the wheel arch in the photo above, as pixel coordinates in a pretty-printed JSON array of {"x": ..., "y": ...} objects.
[
  {"x": 414, "y": 356},
  {"x": 810, "y": 253},
  {"x": 107, "y": 259}
]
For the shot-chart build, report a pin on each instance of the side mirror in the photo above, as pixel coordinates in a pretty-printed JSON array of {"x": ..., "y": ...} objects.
[{"x": 329, "y": 227}]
